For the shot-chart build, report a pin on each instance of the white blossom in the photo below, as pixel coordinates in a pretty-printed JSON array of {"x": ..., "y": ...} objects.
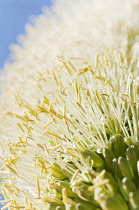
[{"x": 72, "y": 85}]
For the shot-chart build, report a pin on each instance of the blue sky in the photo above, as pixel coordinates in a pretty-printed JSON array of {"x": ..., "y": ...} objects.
[{"x": 13, "y": 16}]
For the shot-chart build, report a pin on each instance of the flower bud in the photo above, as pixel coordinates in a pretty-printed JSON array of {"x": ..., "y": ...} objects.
[
  {"x": 95, "y": 159},
  {"x": 85, "y": 195},
  {"x": 128, "y": 141},
  {"x": 134, "y": 199},
  {"x": 117, "y": 145},
  {"x": 125, "y": 168},
  {"x": 132, "y": 156},
  {"x": 128, "y": 186},
  {"x": 114, "y": 203},
  {"x": 117, "y": 169},
  {"x": 69, "y": 191},
  {"x": 108, "y": 157},
  {"x": 112, "y": 182},
  {"x": 56, "y": 171}
]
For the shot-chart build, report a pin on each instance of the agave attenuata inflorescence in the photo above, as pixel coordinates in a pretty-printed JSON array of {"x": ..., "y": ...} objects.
[{"x": 69, "y": 130}]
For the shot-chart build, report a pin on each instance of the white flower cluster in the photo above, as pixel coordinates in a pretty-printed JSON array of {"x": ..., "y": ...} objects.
[{"x": 73, "y": 83}]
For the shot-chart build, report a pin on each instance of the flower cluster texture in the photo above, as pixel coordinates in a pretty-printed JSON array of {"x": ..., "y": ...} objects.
[{"x": 69, "y": 107}]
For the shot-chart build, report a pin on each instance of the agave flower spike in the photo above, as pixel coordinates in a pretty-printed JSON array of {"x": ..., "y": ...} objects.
[{"x": 70, "y": 110}]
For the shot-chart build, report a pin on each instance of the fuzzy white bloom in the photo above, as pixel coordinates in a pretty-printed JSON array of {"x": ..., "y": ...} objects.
[{"x": 71, "y": 86}]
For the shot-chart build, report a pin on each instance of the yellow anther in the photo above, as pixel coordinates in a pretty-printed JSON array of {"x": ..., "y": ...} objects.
[
  {"x": 38, "y": 187},
  {"x": 43, "y": 169},
  {"x": 97, "y": 96},
  {"x": 48, "y": 124},
  {"x": 29, "y": 129},
  {"x": 67, "y": 126},
  {"x": 51, "y": 111},
  {"x": 26, "y": 201},
  {"x": 11, "y": 169},
  {"x": 31, "y": 111},
  {"x": 96, "y": 60},
  {"x": 42, "y": 109},
  {"x": 52, "y": 134},
  {"x": 34, "y": 166},
  {"x": 23, "y": 149},
  {"x": 10, "y": 148},
  {"x": 21, "y": 139},
  {"x": 66, "y": 67},
  {"x": 71, "y": 65},
  {"x": 104, "y": 94},
  {"x": 55, "y": 78},
  {"x": 76, "y": 89},
  {"x": 128, "y": 102},
  {"x": 79, "y": 105},
  {"x": 25, "y": 118},
  {"x": 30, "y": 138},
  {"x": 100, "y": 78},
  {"x": 46, "y": 100},
  {"x": 76, "y": 58},
  {"x": 126, "y": 95},
  {"x": 39, "y": 145},
  {"x": 20, "y": 126},
  {"x": 108, "y": 83},
  {"x": 17, "y": 207},
  {"x": 82, "y": 71},
  {"x": 30, "y": 205},
  {"x": 12, "y": 160}
]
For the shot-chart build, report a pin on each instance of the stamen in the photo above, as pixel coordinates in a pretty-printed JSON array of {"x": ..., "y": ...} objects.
[
  {"x": 38, "y": 188},
  {"x": 11, "y": 169},
  {"x": 74, "y": 176},
  {"x": 52, "y": 134},
  {"x": 97, "y": 96},
  {"x": 79, "y": 105}
]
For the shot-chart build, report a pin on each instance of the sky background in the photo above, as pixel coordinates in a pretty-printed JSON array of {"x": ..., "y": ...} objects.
[{"x": 13, "y": 16}]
